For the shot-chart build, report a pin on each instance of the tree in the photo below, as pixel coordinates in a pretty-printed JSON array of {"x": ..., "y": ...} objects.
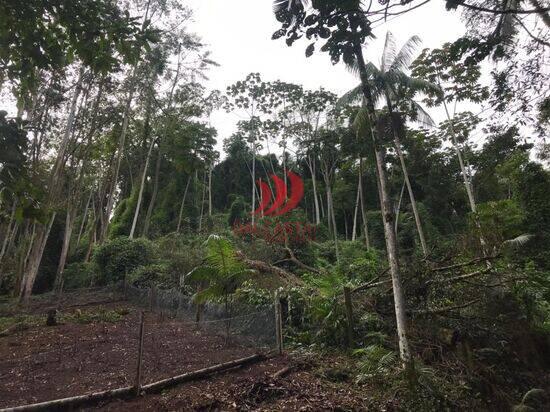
[
  {"x": 391, "y": 85},
  {"x": 345, "y": 28}
]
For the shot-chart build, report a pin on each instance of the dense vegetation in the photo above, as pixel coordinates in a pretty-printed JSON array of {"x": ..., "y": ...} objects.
[{"x": 109, "y": 172}]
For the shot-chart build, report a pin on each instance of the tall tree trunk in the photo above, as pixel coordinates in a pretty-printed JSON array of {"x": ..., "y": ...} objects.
[
  {"x": 153, "y": 196},
  {"x": 397, "y": 144},
  {"x": 182, "y": 204},
  {"x": 356, "y": 210},
  {"x": 398, "y": 208},
  {"x": 332, "y": 218},
  {"x": 311, "y": 166},
  {"x": 118, "y": 161},
  {"x": 69, "y": 219},
  {"x": 35, "y": 257},
  {"x": 387, "y": 217},
  {"x": 84, "y": 218},
  {"x": 203, "y": 197},
  {"x": 253, "y": 182},
  {"x": 363, "y": 210},
  {"x": 210, "y": 191},
  {"x": 9, "y": 230},
  {"x": 141, "y": 188}
]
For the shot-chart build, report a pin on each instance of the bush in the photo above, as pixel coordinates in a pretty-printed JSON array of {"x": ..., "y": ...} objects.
[
  {"x": 79, "y": 275},
  {"x": 120, "y": 256},
  {"x": 158, "y": 274}
]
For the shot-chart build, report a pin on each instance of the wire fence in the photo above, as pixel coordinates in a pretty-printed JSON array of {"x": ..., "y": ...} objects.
[{"x": 237, "y": 323}]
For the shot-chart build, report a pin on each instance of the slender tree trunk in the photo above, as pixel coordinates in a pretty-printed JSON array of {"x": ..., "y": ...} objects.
[
  {"x": 210, "y": 192},
  {"x": 84, "y": 217},
  {"x": 183, "y": 203},
  {"x": 153, "y": 196},
  {"x": 35, "y": 258},
  {"x": 363, "y": 210},
  {"x": 253, "y": 182},
  {"x": 118, "y": 161},
  {"x": 311, "y": 166},
  {"x": 141, "y": 188},
  {"x": 355, "y": 213},
  {"x": 414, "y": 206},
  {"x": 332, "y": 220},
  {"x": 9, "y": 230},
  {"x": 398, "y": 208},
  {"x": 203, "y": 198},
  {"x": 387, "y": 217},
  {"x": 69, "y": 219}
]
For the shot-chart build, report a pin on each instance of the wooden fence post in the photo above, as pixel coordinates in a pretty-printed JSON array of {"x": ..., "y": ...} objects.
[
  {"x": 140, "y": 353},
  {"x": 278, "y": 323},
  {"x": 349, "y": 315}
]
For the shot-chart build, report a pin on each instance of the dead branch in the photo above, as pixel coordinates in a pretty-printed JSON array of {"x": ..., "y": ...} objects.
[
  {"x": 460, "y": 277},
  {"x": 265, "y": 267},
  {"x": 281, "y": 373},
  {"x": 442, "y": 310},
  {"x": 299, "y": 263},
  {"x": 469, "y": 263}
]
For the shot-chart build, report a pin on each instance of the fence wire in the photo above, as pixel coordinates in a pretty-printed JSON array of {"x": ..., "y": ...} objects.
[{"x": 239, "y": 324}]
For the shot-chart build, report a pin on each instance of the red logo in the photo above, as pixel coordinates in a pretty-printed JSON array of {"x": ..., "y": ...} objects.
[
  {"x": 279, "y": 208},
  {"x": 273, "y": 230}
]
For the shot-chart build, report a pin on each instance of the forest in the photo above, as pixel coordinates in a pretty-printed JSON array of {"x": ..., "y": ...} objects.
[{"x": 397, "y": 235}]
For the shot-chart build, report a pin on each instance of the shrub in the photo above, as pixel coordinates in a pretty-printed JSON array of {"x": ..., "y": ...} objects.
[
  {"x": 79, "y": 275},
  {"x": 146, "y": 276},
  {"x": 120, "y": 256}
]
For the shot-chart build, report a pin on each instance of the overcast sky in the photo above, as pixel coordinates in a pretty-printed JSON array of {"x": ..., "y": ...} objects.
[{"x": 238, "y": 33}]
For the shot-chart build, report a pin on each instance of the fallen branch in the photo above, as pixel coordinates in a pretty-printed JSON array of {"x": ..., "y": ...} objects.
[
  {"x": 442, "y": 310},
  {"x": 299, "y": 263},
  {"x": 469, "y": 263},
  {"x": 460, "y": 277},
  {"x": 265, "y": 267},
  {"x": 281, "y": 373}
]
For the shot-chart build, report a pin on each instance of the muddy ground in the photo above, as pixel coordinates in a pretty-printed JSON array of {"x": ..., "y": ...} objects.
[{"x": 89, "y": 352}]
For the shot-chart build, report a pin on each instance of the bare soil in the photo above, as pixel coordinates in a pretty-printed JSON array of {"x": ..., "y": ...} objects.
[{"x": 44, "y": 363}]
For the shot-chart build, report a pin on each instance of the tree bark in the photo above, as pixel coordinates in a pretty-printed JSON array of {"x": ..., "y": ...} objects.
[
  {"x": 414, "y": 206},
  {"x": 387, "y": 217},
  {"x": 363, "y": 210},
  {"x": 141, "y": 188},
  {"x": 183, "y": 203},
  {"x": 356, "y": 210},
  {"x": 153, "y": 196},
  {"x": 69, "y": 219}
]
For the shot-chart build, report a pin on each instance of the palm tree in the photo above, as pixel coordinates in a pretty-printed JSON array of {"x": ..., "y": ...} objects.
[{"x": 391, "y": 85}]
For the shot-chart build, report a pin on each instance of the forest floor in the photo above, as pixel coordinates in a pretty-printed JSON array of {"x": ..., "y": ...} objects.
[{"x": 94, "y": 348}]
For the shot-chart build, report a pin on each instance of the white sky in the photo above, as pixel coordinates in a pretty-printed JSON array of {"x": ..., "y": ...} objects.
[{"x": 238, "y": 33}]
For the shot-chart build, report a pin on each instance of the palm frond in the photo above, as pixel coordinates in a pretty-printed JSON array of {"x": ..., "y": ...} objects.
[
  {"x": 421, "y": 115},
  {"x": 405, "y": 56},
  {"x": 201, "y": 273},
  {"x": 221, "y": 255},
  {"x": 389, "y": 53},
  {"x": 351, "y": 97},
  {"x": 519, "y": 241}
]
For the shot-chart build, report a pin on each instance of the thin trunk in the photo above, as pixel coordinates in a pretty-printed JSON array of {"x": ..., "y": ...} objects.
[
  {"x": 398, "y": 208},
  {"x": 253, "y": 182},
  {"x": 141, "y": 188},
  {"x": 332, "y": 218},
  {"x": 355, "y": 213},
  {"x": 363, "y": 210},
  {"x": 84, "y": 217},
  {"x": 311, "y": 166},
  {"x": 183, "y": 203},
  {"x": 203, "y": 198},
  {"x": 387, "y": 217},
  {"x": 9, "y": 230},
  {"x": 210, "y": 191},
  {"x": 69, "y": 219},
  {"x": 414, "y": 206},
  {"x": 35, "y": 258},
  {"x": 153, "y": 196}
]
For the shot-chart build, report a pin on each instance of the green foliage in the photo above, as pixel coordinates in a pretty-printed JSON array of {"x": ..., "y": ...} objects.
[
  {"x": 153, "y": 274},
  {"x": 223, "y": 273},
  {"x": 120, "y": 256},
  {"x": 500, "y": 221},
  {"x": 375, "y": 360},
  {"x": 79, "y": 275},
  {"x": 91, "y": 316}
]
